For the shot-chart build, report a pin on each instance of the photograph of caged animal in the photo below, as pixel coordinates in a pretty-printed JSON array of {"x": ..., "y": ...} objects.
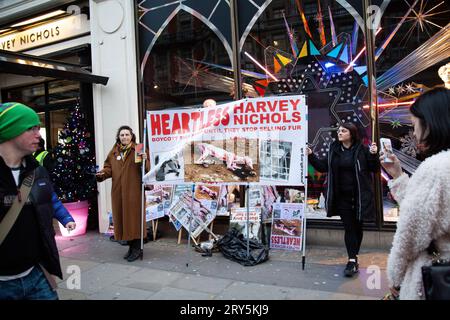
[{"x": 171, "y": 166}]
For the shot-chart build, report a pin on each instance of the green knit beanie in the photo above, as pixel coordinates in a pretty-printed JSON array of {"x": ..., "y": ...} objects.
[{"x": 15, "y": 119}]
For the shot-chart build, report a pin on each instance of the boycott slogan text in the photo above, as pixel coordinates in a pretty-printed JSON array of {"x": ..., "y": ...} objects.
[{"x": 242, "y": 113}]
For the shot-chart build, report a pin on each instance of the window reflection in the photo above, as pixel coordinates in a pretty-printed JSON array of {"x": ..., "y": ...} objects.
[{"x": 63, "y": 91}]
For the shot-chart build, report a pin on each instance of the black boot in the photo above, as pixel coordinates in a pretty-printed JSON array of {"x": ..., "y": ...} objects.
[
  {"x": 128, "y": 252},
  {"x": 351, "y": 269},
  {"x": 135, "y": 250}
]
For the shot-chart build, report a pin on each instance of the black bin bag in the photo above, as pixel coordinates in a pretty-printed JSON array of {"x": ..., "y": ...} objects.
[{"x": 233, "y": 246}]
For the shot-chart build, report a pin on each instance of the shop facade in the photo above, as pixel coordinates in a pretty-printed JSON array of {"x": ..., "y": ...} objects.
[
  {"x": 161, "y": 54},
  {"x": 56, "y": 54}
]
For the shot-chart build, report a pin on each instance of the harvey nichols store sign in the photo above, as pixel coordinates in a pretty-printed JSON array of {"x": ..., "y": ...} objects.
[{"x": 62, "y": 29}]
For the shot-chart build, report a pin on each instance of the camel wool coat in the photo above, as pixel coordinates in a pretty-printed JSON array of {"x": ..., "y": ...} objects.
[
  {"x": 424, "y": 201},
  {"x": 125, "y": 193}
]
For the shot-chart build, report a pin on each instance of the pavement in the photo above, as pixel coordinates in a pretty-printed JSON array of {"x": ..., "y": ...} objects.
[{"x": 94, "y": 269}]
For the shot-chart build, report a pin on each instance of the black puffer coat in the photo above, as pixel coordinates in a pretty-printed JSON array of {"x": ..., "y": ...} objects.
[{"x": 365, "y": 164}]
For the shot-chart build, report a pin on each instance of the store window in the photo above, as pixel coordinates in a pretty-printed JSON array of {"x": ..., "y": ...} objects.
[
  {"x": 327, "y": 64},
  {"x": 176, "y": 72},
  {"x": 52, "y": 100},
  {"x": 33, "y": 95},
  {"x": 277, "y": 12},
  {"x": 43, "y": 130},
  {"x": 333, "y": 96},
  {"x": 404, "y": 71},
  {"x": 305, "y": 65},
  {"x": 184, "y": 22},
  {"x": 63, "y": 91},
  {"x": 57, "y": 120}
]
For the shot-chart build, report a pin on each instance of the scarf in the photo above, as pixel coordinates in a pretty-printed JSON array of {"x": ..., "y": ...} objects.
[{"x": 124, "y": 150}]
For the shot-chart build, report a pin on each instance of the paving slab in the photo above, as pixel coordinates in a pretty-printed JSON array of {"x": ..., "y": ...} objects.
[
  {"x": 101, "y": 276},
  {"x": 169, "y": 293},
  {"x": 253, "y": 291},
  {"x": 67, "y": 267},
  {"x": 200, "y": 283},
  {"x": 149, "y": 279},
  {"x": 121, "y": 293},
  {"x": 65, "y": 294}
]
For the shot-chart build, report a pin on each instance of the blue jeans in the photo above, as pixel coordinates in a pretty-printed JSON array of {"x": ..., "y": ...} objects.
[{"x": 34, "y": 286}]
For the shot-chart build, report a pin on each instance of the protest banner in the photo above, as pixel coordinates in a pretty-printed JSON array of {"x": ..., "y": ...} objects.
[
  {"x": 154, "y": 207},
  {"x": 287, "y": 227},
  {"x": 203, "y": 213},
  {"x": 238, "y": 220},
  {"x": 244, "y": 141},
  {"x": 258, "y": 142}
]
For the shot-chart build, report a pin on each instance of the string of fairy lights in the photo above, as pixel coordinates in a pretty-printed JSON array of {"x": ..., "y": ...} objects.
[{"x": 73, "y": 175}]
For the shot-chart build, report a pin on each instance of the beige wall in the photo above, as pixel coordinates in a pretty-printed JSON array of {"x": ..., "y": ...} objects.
[{"x": 113, "y": 56}]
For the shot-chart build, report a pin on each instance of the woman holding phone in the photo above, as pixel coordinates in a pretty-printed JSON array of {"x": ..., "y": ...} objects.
[
  {"x": 349, "y": 186},
  {"x": 120, "y": 165},
  {"x": 423, "y": 198}
]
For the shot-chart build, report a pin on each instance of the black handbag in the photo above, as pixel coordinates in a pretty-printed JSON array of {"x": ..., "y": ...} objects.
[{"x": 436, "y": 278}]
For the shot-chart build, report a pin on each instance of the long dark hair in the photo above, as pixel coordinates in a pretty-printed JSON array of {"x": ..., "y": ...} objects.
[
  {"x": 354, "y": 132},
  {"x": 133, "y": 136},
  {"x": 433, "y": 110}
]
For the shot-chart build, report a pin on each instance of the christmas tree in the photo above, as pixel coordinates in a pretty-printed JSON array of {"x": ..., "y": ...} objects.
[{"x": 74, "y": 173}]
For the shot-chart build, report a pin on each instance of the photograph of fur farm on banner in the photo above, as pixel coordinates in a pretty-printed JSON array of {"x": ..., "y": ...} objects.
[{"x": 244, "y": 141}]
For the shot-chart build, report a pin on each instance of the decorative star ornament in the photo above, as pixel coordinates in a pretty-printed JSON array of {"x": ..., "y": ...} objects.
[
  {"x": 400, "y": 89},
  {"x": 410, "y": 88},
  {"x": 396, "y": 124}
]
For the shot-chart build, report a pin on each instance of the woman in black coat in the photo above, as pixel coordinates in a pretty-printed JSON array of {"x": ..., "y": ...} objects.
[{"x": 349, "y": 186}]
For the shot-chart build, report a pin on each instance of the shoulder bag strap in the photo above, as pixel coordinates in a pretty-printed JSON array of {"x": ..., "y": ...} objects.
[{"x": 18, "y": 203}]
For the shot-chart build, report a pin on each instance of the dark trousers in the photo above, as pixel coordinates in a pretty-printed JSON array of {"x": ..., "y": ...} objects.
[{"x": 353, "y": 232}]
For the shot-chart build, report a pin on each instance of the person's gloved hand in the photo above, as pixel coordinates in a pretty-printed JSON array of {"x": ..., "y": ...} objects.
[{"x": 99, "y": 176}]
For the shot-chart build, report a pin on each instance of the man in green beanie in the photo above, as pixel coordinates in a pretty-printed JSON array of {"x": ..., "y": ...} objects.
[
  {"x": 15, "y": 119},
  {"x": 28, "y": 251}
]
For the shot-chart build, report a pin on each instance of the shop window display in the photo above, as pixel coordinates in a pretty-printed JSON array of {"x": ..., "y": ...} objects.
[
  {"x": 173, "y": 74},
  {"x": 413, "y": 63},
  {"x": 317, "y": 50},
  {"x": 309, "y": 66}
]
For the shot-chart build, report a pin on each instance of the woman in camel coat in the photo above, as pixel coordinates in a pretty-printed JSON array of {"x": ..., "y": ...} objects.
[{"x": 126, "y": 198}]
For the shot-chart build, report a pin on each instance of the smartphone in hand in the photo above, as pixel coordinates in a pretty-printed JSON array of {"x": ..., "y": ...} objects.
[{"x": 386, "y": 149}]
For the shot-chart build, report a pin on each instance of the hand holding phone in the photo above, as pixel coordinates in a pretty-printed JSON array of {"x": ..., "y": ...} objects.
[
  {"x": 386, "y": 149},
  {"x": 388, "y": 159}
]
